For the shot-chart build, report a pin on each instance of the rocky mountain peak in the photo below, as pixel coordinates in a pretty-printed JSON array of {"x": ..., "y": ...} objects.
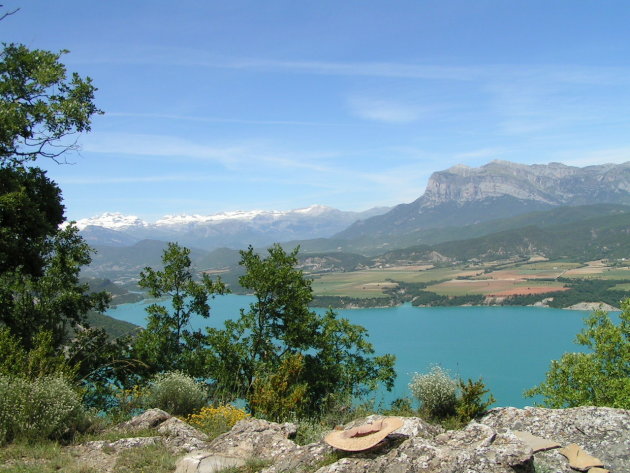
[{"x": 551, "y": 184}]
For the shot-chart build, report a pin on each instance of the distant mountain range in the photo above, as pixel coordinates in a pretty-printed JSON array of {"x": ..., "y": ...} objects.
[
  {"x": 231, "y": 229},
  {"x": 581, "y": 233},
  {"x": 500, "y": 209}
]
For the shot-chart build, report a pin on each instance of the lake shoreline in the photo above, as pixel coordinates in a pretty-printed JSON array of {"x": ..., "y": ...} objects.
[{"x": 509, "y": 347}]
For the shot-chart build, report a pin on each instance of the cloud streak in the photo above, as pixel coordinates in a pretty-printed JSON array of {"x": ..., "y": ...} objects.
[
  {"x": 191, "y": 57},
  {"x": 383, "y": 110},
  {"x": 166, "y": 116}
]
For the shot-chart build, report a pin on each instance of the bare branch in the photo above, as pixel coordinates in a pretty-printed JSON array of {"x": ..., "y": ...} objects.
[{"x": 9, "y": 13}]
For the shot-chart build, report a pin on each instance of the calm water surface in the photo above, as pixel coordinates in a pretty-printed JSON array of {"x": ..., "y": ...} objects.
[{"x": 510, "y": 347}]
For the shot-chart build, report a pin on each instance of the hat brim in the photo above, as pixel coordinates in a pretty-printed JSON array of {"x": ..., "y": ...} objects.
[{"x": 356, "y": 444}]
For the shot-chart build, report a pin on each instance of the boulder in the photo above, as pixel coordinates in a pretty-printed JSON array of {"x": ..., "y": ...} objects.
[
  {"x": 149, "y": 419},
  {"x": 602, "y": 432},
  {"x": 204, "y": 462},
  {"x": 122, "y": 444},
  {"x": 181, "y": 436},
  {"x": 249, "y": 438}
]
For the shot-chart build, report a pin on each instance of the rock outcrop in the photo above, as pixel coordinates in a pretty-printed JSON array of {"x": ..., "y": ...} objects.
[
  {"x": 601, "y": 431},
  {"x": 170, "y": 432},
  {"x": 505, "y": 440}
]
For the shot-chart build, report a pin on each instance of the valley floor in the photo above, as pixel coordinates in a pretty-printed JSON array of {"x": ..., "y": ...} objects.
[{"x": 532, "y": 281}]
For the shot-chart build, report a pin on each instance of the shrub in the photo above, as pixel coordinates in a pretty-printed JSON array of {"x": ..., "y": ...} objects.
[
  {"x": 45, "y": 407},
  {"x": 176, "y": 393},
  {"x": 470, "y": 403},
  {"x": 280, "y": 395},
  {"x": 436, "y": 391},
  {"x": 123, "y": 404},
  {"x": 40, "y": 360},
  {"x": 216, "y": 420}
]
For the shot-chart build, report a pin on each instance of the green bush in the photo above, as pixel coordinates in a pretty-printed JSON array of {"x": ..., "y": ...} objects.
[
  {"x": 401, "y": 407},
  {"x": 40, "y": 360},
  {"x": 470, "y": 403},
  {"x": 46, "y": 407},
  {"x": 176, "y": 393},
  {"x": 436, "y": 391}
]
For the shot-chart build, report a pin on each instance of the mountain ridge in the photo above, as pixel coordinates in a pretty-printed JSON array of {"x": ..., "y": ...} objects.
[
  {"x": 498, "y": 189},
  {"x": 228, "y": 229}
]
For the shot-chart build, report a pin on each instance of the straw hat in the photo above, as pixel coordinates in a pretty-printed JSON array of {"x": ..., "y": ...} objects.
[{"x": 365, "y": 436}]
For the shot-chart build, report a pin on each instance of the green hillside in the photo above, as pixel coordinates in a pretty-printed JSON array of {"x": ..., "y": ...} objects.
[{"x": 581, "y": 240}]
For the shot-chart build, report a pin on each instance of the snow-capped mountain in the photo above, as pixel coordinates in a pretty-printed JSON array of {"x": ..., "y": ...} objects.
[
  {"x": 229, "y": 229},
  {"x": 112, "y": 221}
]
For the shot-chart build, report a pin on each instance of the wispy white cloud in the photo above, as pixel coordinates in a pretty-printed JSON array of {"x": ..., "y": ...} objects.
[
  {"x": 95, "y": 180},
  {"x": 246, "y": 157},
  {"x": 191, "y": 57},
  {"x": 166, "y": 116},
  {"x": 384, "y": 110},
  {"x": 157, "y": 145}
]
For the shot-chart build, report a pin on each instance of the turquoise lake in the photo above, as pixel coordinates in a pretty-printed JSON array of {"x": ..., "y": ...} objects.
[{"x": 510, "y": 347}]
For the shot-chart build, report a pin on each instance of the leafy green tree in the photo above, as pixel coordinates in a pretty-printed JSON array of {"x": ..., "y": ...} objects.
[
  {"x": 41, "y": 107},
  {"x": 599, "y": 377},
  {"x": 55, "y": 301},
  {"x": 30, "y": 213},
  {"x": 279, "y": 338},
  {"x": 42, "y": 304},
  {"x": 168, "y": 343}
]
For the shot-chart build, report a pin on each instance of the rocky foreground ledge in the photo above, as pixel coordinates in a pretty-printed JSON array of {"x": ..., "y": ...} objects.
[{"x": 494, "y": 444}]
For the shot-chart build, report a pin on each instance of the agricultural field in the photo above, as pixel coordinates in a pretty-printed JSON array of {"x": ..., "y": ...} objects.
[
  {"x": 494, "y": 287},
  {"x": 621, "y": 287},
  {"x": 529, "y": 278},
  {"x": 371, "y": 283}
]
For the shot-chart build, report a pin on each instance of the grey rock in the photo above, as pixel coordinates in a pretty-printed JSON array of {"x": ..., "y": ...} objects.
[
  {"x": 182, "y": 436},
  {"x": 256, "y": 438},
  {"x": 122, "y": 444},
  {"x": 249, "y": 438},
  {"x": 204, "y": 462},
  {"x": 488, "y": 446},
  {"x": 147, "y": 420},
  {"x": 302, "y": 459},
  {"x": 476, "y": 449},
  {"x": 601, "y": 431}
]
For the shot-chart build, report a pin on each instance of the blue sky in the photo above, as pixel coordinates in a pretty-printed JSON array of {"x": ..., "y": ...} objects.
[{"x": 239, "y": 105}]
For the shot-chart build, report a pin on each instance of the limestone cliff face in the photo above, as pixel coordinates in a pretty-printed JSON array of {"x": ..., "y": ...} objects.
[
  {"x": 553, "y": 184},
  {"x": 463, "y": 195}
]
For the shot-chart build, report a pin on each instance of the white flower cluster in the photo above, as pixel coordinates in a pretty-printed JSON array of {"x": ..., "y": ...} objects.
[
  {"x": 176, "y": 393},
  {"x": 46, "y": 407},
  {"x": 436, "y": 391}
]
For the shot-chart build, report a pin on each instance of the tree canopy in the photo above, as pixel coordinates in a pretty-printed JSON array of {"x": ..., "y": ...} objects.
[
  {"x": 598, "y": 377},
  {"x": 281, "y": 353},
  {"x": 168, "y": 343},
  {"x": 30, "y": 214},
  {"x": 40, "y": 106}
]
